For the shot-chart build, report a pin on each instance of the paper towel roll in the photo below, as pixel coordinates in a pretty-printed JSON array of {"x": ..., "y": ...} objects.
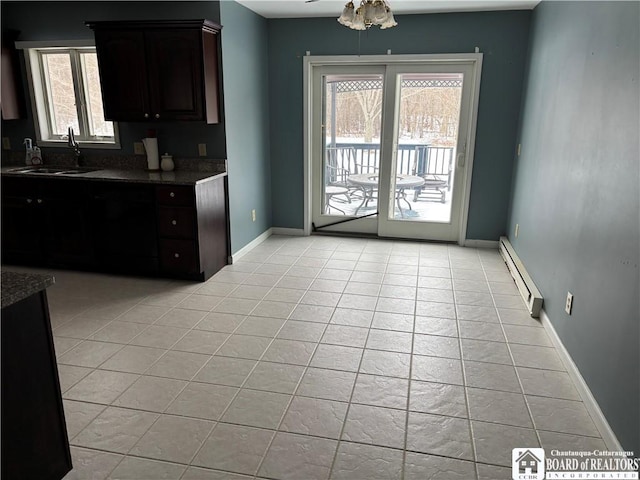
[{"x": 153, "y": 159}]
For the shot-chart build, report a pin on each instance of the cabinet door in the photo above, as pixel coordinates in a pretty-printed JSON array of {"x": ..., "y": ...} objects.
[
  {"x": 123, "y": 73},
  {"x": 125, "y": 227},
  {"x": 67, "y": 237},
  {"x": 12, "y": 104},
  {"x": 175, "y": 74},
  {"x": 22, "y": 221}
]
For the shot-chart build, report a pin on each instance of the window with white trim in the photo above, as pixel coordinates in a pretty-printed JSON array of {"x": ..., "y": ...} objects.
[{"x": 65, "y": 90}]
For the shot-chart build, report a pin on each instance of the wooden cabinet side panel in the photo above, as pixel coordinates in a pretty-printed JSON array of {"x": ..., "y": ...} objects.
[
  {"x": 212, "y": 226},
  {"x": 210, "y": 45},
  {"x": 34, "y": 435}
]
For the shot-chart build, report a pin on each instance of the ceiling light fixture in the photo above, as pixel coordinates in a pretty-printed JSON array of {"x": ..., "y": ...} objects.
[{"x": 370, "y": 12}]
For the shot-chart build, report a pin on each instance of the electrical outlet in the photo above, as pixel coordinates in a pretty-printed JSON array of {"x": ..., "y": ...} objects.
[
  {"x": 202, "y": 149},
  {"x": 6, "y": 143},
  {"x": 519, "y": 148},
  {"x": 569, "y": 304},
  {"x": 253, "y": 215},
  {"x": 138, "y": 148},
  {"x": 517, "y": 230}
]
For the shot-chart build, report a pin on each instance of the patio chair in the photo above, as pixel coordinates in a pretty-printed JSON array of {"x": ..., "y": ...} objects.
[
  {"x": 340, "y": 163},
  {"x": 336, "y": 183},
  {"x": 434, "y": 164}
]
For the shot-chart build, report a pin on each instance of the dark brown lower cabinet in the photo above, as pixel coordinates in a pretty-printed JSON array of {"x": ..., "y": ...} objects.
[
  {"x": 138, "y": 228},
  {"x": 192, "y": 226},
  {"x": 34, "y": 435}
]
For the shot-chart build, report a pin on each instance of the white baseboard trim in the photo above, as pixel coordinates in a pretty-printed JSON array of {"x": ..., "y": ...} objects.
[
  {"x": 297, "y": 232},
  {"x": 251, "y": 245},
  {"x": 481, "y": 243},
  {"x": 600, "y": 421}
]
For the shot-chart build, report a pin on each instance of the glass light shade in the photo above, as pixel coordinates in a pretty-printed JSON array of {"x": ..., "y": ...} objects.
[
  {"x": 358, "y": 20},
  {"x": 348, "y": 13},
  {"x": 389, "y": 22},
  {"x": 379, "y": 12},
  {"x": 368, "y": 12}
]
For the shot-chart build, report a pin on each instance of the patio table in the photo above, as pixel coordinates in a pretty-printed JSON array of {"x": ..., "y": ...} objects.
[{"x": 368, "y": 183}]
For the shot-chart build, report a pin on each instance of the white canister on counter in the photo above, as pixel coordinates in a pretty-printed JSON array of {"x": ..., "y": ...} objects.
[{"x": 167, "y": 163}]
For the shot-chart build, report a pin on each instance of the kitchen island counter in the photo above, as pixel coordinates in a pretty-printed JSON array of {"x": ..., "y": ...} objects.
[
  {"x": 33, "y": 434},
  {"x": 18, "y": 286}
]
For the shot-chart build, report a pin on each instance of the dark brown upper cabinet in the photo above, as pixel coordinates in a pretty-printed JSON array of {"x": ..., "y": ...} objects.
[
  {"x": 158, "y": 70},
  {"x": 12, "y": 103}
]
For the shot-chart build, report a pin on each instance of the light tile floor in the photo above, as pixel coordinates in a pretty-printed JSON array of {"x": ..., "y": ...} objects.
[{"x": 312, "y": 358}]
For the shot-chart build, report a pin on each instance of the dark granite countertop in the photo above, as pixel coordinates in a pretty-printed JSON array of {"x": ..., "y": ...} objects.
[
  {"x": 178, "y": 177},
  {"x": 18, "y": 286}
]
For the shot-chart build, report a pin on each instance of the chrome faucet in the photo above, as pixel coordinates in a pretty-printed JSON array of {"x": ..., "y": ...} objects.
[{"x": 73, "y": 144}]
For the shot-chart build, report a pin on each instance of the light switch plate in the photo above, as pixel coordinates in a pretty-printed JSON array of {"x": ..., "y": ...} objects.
[
  {"x": 6, "y": 143},
  {"x": 202, "y": 149}
]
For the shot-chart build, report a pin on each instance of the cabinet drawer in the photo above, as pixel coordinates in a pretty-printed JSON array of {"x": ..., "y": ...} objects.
[
  {"x": 178, "y": 256},
  {"x": 176, "y": 222},
  {"x": 178, "y": 195}
]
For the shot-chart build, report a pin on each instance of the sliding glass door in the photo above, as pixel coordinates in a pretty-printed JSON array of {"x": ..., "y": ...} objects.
[{"x": 389, "y": 148}]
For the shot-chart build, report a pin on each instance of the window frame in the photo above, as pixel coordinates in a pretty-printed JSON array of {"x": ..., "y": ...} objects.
[{"x": 41, "y": 99}]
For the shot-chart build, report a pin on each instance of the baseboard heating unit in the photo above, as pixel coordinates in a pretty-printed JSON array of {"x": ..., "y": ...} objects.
[{"x": 528, "y": 290}]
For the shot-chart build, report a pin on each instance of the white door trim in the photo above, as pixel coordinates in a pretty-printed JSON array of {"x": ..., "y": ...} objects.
[{"x": 309, "y": 62}]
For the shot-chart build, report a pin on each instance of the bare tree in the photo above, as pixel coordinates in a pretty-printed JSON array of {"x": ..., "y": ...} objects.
[
  {"x": 370, "y": 102},
  {"x": 425, "y": 113}
]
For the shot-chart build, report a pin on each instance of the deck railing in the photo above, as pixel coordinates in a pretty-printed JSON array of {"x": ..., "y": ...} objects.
[{"x": 421, "y": 159}]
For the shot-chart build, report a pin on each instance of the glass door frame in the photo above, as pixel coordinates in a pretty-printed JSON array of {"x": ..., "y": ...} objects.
[
  {"x": 388, "y": 224},
  {"x": 365, "y": 225},
  {"x": 310, "y": 120}
]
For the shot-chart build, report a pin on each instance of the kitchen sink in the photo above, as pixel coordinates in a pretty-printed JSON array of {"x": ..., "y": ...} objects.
[{"x": 54, "y": 170}]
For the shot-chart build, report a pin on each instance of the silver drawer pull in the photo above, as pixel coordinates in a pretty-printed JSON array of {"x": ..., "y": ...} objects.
[
  {"x": 157, "y": 115},
  {"x": 29, "y": 200},
  {"x": 174, "y": 222},
  {"x": 172, "y": 194},
  {"x": 176, "y": 255},
  {"x": 39, "y": 200},
  {"x": 146, "y": 115}
]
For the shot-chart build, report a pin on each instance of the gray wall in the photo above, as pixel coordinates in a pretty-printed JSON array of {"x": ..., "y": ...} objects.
[
  {"x": 65, "y": 20},
  {"x": 575, "y": 193},
  {"x": 245, "y": 67},
  {"x": 501, "y": 36}
]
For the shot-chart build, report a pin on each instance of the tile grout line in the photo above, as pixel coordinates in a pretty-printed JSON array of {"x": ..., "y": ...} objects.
[
  {"x": 474, "y": 453},
  {"x": 355, "y": 382},
  {"x": 410, "y": 379}
]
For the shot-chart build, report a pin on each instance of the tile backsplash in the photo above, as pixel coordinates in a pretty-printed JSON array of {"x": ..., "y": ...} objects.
[{"x": 116, "y": 162}]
